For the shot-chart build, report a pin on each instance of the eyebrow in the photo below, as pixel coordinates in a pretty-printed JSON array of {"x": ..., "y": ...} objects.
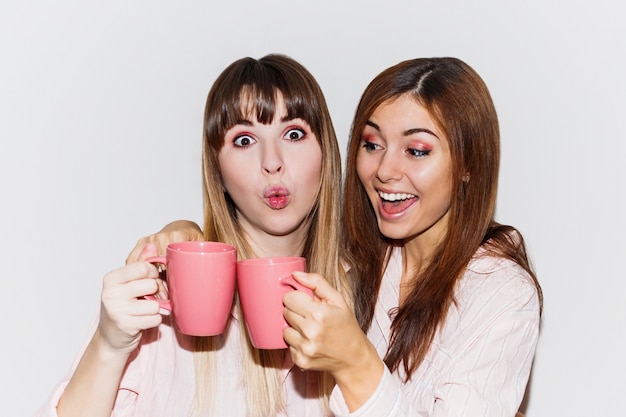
[{"x": 407, "y": 132}]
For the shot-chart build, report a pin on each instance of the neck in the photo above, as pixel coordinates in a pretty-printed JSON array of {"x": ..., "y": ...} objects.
[
  {"x": 266, "y": 245},
  {"x": 418, "y": 250},
  {"x": 417, "y": 253}
]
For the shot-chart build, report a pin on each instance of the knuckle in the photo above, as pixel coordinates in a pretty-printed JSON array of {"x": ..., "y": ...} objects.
[
  {"x": 309, "y": 350},
  {"x": 145, "y": 270},
  {"x": 318, "y": 316}
]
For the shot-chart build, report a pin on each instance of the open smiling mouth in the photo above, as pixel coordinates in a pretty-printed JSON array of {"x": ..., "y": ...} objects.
[{"x": 393, "y": 203}]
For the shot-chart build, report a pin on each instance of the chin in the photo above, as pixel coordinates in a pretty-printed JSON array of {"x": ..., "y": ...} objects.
[
  {"x": 283, "y": 229},
  {"x": 394, "y": 233}
]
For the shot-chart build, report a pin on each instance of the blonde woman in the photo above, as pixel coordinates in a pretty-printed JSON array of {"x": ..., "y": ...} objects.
[{"x": 272, "y": 176}]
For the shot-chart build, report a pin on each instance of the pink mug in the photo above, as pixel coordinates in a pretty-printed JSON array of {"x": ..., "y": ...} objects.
[
  {"x": 262, "y": 283},
  {"x": 201, "y": 283}
]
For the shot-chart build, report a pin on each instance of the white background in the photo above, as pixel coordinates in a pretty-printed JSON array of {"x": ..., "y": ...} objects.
[{"x": 101, "y": 109}]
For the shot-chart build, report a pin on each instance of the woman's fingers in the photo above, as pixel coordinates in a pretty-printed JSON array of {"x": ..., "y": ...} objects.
[{"x": 125, "y": 313}]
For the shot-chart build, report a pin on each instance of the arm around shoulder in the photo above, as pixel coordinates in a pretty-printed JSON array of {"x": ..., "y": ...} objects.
[{"x": 176, "y": 231}]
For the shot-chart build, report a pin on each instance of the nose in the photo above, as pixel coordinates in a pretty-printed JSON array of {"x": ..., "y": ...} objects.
[
  {"x": 388, "y": 168},
  {"x": 272, "y": 159}
]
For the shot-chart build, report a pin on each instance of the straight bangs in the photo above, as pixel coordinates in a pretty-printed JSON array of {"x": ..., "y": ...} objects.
[{"x": 251, "y": 90}]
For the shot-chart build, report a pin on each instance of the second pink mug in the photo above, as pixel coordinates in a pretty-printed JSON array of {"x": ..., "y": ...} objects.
[
  {"x": 201, "y": 283},
  {"x": 261, "y": 283}
]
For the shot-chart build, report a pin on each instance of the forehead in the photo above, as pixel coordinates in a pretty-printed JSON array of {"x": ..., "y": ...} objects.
[{"x": 403, "y": 113}]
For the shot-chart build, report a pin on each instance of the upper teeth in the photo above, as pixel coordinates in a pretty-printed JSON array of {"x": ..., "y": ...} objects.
[{"x": 395, "y": 196}]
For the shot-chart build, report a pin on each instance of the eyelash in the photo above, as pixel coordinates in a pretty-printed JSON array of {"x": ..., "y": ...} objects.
[
  {"x": 237, "y": 139},
  {"x": 370, "y": 146},
  {"x": 418, "y": 153},
  {"x": 301, "y": 131}
]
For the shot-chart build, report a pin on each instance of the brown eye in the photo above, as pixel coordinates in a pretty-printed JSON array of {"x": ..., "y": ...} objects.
[
  {"x": 294, "y": 134},
  {"x": 244, "y": 141}
]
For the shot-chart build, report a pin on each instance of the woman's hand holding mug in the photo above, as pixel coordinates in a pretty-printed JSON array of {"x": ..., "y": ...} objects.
[
  {"x": 124, "y": 312},
  {"x": 201, "y": 283}
]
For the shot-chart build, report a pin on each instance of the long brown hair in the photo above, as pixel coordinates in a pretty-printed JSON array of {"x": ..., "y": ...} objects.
[
  {"x": 250, "y": 86},
  {"x": 458, "y": 100}
]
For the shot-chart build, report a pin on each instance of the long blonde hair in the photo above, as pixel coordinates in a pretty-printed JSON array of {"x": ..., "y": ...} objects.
[{"x": 251, "y": 85}]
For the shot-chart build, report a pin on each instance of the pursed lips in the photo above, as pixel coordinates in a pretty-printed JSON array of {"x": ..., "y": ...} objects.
[{"x": 277, "y": 197}]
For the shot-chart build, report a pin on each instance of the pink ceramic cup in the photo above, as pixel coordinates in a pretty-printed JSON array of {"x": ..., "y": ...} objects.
[
  {"x": 201, "y": 282},
  {"x": 261, "y": 283}
]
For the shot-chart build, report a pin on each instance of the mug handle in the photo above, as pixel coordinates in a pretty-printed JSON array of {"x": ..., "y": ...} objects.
[
  {"x": 164, "y": 304},
  {"x": 290, "y": 281}
]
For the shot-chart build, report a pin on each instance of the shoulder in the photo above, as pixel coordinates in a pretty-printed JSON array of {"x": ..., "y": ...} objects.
[
  {"x": 483, "y": 263},
  {"x": 497, "y": 281},
  {"x": 494, "y": 294}
]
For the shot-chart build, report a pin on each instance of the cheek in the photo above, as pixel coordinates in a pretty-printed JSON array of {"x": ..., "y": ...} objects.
[
  {"x": 231, "y": 172},
  {"x": 304, "y": 160},
  {"x": 231, "y": 183},
  {"x": 439, "y": 181},
  {"x": 311, "y": 169},
  {"x": 363, "y": 169}
]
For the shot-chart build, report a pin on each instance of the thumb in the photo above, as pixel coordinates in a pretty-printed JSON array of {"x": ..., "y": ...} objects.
[{"x": 320, "y": 287}]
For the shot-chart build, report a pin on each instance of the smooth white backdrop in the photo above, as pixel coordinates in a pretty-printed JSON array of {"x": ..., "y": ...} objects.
[{"x": 100, "y": 122}]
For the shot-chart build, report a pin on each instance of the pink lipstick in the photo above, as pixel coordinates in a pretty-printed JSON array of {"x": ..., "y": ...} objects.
[{"x": 277, "y": 197}]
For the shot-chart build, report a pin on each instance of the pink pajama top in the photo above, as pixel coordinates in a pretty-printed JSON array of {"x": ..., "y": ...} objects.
[
  {"x": 480, "y": 361},
  {"x": 160, "y": 379}
]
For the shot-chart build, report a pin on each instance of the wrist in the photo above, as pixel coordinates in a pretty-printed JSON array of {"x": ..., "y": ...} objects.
[
  {"x": 358, "y": 381},
  {"x": 104, "y": 352}
]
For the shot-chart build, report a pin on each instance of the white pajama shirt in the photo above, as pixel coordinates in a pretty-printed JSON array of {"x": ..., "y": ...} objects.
[{"x": 479, "y": 362}]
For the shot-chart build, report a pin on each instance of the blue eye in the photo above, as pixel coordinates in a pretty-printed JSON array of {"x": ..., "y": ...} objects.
[
  {"x": 418, "y": 152},
  {"x": 295, "y": 134},
  {"x": 370, "y": 146},
  {"x": 244, "y": 141}
]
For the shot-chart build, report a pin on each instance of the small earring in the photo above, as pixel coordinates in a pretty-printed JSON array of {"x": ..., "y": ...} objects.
[{"x": 465, "y": 178}]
